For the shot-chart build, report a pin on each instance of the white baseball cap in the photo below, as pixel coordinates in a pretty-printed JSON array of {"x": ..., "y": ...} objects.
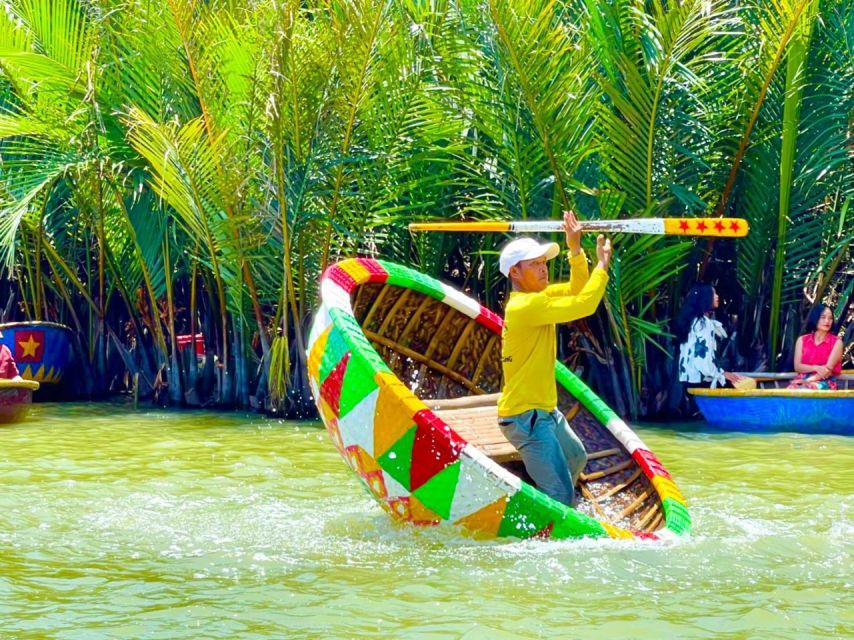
[{"x": 525, "y": 249}]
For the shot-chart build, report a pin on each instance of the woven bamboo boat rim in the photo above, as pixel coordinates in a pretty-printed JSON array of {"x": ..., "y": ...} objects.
[
  {"x": 813, "y": 394},
  {"x": 411, "y": 327},
  {"x": 32, "y": 385}
]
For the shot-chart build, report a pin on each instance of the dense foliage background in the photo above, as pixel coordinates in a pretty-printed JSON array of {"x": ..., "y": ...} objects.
[{"x": 182, "y": 166}]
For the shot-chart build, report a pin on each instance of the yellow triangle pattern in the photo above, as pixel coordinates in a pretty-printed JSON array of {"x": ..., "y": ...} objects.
[
  {"x": 331, "y": 422},
  {"x": 362, "y": 461},
  {"x": 51, "y": 376},
  {"x": 393, "y": 415},
  {"x": 419, "y": 514},
  {"x": 615, "y": 532},
  {"x": 315, "y": 356},
  {"x": 483, "y": 524}
]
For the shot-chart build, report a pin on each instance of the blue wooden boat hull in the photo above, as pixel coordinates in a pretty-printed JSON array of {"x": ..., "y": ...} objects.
[
  {"x": 42, "y": 350},
  {"x": 769, "y": 410}
]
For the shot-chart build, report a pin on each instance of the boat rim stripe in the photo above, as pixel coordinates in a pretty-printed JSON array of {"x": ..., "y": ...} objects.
[
  {"x": 815, "y": 394},
  {"x": 582, "y": 393}
]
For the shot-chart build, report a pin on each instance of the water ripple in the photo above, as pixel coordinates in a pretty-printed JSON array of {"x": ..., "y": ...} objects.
[{"x": 153, "y": 524}]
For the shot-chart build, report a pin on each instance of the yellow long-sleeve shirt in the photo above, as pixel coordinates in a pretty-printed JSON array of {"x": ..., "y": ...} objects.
[{"x": 529, "y": 346}]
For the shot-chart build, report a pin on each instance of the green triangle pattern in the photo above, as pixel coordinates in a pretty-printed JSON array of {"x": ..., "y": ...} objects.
[
  {"x": 357, "y": 385},
  {"x": 437, "y": 493},
  {"x": 527, "y": 512},
  {"x": 335, "y": 349},
  {"x": 575, "y": 524},
  {"x": 398, "y": 459}
]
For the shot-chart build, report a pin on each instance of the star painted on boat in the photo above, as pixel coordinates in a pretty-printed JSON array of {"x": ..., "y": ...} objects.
[
  {"x": 701, "y": 225},
  {"x": 683, "y": 225},
  {"x": 719, "y": 226},
  {"x": 30, "y": 346},
  {"x": 734, "y": 226}
]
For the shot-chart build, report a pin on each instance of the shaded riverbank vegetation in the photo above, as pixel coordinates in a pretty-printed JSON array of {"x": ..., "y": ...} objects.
[{"x": 184, "y": 167}]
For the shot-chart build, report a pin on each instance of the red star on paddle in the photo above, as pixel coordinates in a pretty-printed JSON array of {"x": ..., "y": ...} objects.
[
  {"x": 683, "y": 225},
  {"x": 719, "y": 226},
  {"x": 734, "y": 226},
  {"x": 701, "y": 225}
]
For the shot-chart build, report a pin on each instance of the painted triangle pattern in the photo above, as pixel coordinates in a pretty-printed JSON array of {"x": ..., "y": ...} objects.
[
  {"x": 330, "y": 390},
  {"x": 393, "y": 415},
  {"x": 357, "y": 426},
  {"x": 398, "y": 459},
  {"x": 417, "y": 467},
  {"x": 358, "y": 382},
  {"x": 485, "y": 522},
  {"x": 438, "y": 492},
  {"x": 436, "y": 447},
  {"x": 476, "y": 488},
  {"x": 315, "y": 353},
  {"x": 334, "y": 350}
]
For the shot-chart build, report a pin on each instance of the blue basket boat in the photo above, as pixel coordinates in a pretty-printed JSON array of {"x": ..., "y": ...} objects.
[
  {"x": 770, "y": 408},
  {"x": 42, "y": 350}
]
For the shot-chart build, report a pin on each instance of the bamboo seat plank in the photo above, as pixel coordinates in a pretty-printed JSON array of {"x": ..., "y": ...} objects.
[
  {"x": 603, "y": 453},
  {"x": 649, "y": 515},
  {"x": 596, "y": 506},
  {"x": 606, "y": 472},
  {"x": 637, "y": 503},
  {"x": 438, "y": 404},
  {"x": 479, "y": 427},
  {"x": 656, "y": 522},
  {"x": 617, "y": 488}
]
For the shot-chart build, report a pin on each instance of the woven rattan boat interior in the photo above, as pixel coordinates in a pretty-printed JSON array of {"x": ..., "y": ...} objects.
[{"x": 441, "y": 354}]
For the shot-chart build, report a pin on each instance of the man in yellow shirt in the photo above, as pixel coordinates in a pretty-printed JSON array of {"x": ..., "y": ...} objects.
[{"x": 527, "y": 410}]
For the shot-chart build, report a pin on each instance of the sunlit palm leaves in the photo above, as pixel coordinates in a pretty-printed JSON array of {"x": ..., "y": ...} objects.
[
  {"x": 661, "y": 69},
  {"x": 233, "y": 149}
]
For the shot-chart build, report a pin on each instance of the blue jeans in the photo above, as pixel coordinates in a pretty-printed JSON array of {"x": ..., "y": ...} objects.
[{"x": 553, "y": 455}]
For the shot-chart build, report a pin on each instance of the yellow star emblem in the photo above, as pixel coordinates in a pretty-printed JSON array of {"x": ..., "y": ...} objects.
[{"x": 29, "y": 347}]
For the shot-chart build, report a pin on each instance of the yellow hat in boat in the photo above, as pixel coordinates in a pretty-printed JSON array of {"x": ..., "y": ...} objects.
[{"x": 745, "y": 384}]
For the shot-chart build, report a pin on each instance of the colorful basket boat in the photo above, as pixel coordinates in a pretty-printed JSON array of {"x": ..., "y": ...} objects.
[
  {"x": 42, "y": 350},
  {"x": 16, "y": 396},
  {"x": 772, "y": 407},
  {"x": 405, "y": 372}
]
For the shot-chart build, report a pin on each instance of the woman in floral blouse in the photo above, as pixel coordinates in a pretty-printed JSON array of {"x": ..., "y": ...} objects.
[{"x": 698, "y": 335}]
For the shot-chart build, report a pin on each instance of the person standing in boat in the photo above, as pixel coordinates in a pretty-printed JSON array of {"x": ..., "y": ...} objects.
[
  {"x": 8, "y": 368},
  {"x": 698, "y": 333},
  {"x": 527, "y": 409},
  {"x": 818, "y": 353}
]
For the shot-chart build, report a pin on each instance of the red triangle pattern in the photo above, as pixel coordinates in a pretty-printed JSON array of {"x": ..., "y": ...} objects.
[
  {"x": 436, "y": 446},
  {"x": 330, "y": 390}
]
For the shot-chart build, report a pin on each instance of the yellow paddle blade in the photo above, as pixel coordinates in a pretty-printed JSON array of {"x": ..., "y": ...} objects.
[{"x": 698, "y": 227}]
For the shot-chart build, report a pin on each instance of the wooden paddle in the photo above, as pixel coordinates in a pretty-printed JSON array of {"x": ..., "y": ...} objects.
[{"x": 708, "y": 227}]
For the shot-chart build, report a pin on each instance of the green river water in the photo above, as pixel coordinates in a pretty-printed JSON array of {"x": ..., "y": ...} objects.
[{"x": 155, "y": 524}]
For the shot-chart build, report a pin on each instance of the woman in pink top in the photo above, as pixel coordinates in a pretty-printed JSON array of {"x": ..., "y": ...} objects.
[{"x": 818, "y": 353}]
